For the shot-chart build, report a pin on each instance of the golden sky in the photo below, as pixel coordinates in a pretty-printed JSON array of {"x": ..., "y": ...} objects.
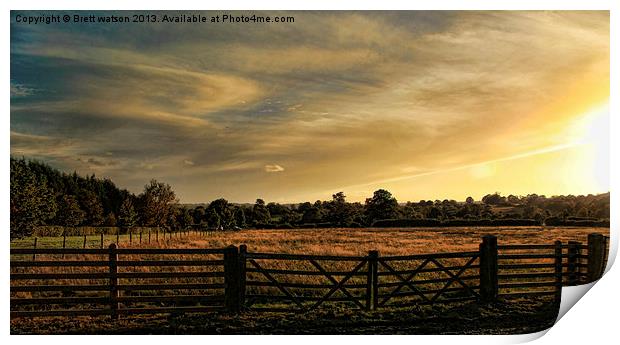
[{"x": 430, "y": 105}]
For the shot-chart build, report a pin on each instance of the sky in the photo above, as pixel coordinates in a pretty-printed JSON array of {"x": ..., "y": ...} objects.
[{"x": 429, "y": 105}]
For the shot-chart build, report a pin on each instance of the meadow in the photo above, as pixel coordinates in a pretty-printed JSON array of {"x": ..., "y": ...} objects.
[
  {"x": 335, "y": 241},
  {"x": 343, "y": 241}
]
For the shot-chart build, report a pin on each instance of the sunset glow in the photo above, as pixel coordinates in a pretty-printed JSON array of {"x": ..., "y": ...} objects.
[{"x": 429, "y": 105}]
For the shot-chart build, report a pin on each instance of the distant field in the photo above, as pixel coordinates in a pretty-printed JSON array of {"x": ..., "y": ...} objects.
[{"x": 392, "y": 241}]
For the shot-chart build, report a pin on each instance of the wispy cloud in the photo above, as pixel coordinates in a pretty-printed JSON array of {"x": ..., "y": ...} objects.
[
  {"x": 18, "y": 90},
  {"x": 338, "y": 99},
  {"x": 270, "y": 168}
]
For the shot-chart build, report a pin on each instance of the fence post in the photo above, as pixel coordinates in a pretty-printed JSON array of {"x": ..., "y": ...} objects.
[
  {"x": 371, "y": 281},
  {"x": 489, "y": 288},
  {"x": 596, "y": 256},
  {"x": 140, "y": 236},
  {"x": 84, "y": 244},
  {"x": 157, "y": 235},
  {"x": 149, "y": 236},
  {"x": 231, "y": 279},
  {"x": 34, "y": 255},
  {"x": 64, "y": 242},
  {"x": 101, "y": 244},
  {"x": 572, "y": 263},
  {"x": 558, "y": 271},
  {"x": 243, "y": 249},
  {"x": 129, "y": 235},
  {"x": 114, "y": 293},
  {"x": 118, "y": 231}
]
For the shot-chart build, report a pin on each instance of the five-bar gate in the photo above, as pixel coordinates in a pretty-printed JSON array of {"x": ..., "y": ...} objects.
[{"x": 118, "y": 281}]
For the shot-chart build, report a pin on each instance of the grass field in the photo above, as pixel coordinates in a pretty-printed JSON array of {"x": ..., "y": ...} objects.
[
  {"x": 392, "y": 241},
  {"x": 525, "y": 316}
]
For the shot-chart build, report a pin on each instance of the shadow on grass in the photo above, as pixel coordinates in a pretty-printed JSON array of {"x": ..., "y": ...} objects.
[{"x": 514, "y": 317}]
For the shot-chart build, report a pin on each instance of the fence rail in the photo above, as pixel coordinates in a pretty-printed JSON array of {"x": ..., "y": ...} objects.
[{"x": 123, "y": 281}]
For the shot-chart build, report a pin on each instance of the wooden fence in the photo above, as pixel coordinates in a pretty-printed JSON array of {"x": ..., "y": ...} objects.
[
  {"x": 115, "y": 281},
  {"x": 135, "y": 281}
]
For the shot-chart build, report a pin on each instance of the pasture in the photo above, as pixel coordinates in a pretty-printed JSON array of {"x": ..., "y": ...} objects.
[
  {"x": 347, "y": 242},
  {"x": 337, "y": 241}
]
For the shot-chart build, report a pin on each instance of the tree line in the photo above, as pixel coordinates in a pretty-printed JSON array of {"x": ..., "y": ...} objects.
[{"x": 41, "y": 195}]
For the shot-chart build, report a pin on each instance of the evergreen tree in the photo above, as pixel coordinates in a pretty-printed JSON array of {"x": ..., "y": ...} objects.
[
  {"x": 69, "y": 212},
  {"x": 32, "y": 202}
]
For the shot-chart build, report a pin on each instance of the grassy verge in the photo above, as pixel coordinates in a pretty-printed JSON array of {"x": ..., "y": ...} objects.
[{"x": 516, "y": 317}]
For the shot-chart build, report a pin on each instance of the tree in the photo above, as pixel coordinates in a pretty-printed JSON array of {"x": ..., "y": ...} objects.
[
  {"x": 172, "y": 222},
  {"x": 110, "y": 220},
  {"x": 260, "y": 213},
  {"x": 156, "y": 202},
  {"x": 513, "y": 200},
  {"x": 213, "y": 219},
  {"x": 339, "y": 211},
  {"x": 198, "y": 215},
  {"x": 69, "y": 212},
  {"x": 311, "y": 214},
  {"x": 382, "y": 205},
  {"x": 493, "y": 199},
  {"x": 184, "y": 218},
  {"x": 469, "y": 200},
  {"x": 224, "y": 211},
  {"x": 239, "y": 217},
  {"x": 127, "y": 216},
  {"x": 433, "y": 212},
  {"x": 91, "y": 205},
  {"x": 32, "y": 203}
]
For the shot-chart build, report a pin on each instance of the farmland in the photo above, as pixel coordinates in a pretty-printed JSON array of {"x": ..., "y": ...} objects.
[
  {"x": 342, "y": 241},
  {"x": 536, "y": 314}
]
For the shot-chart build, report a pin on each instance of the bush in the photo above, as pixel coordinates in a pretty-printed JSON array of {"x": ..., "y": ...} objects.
[
  {"x": 264, "y": 226},
  {"x": 515, "y": 222},
  {"x": 555, "y": 221},
  {"x": 583, "y": 218},
  {"x": 48, "y": 231},
  {"x": 405, "y": 223},
  {"x": 411, "y": 223},
  {"x": 467, "y": 222}
]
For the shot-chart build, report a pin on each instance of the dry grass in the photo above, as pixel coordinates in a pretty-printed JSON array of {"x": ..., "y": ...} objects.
[
  {"x": 396, "y": 241},
  {"x": 355, "y": 242}
]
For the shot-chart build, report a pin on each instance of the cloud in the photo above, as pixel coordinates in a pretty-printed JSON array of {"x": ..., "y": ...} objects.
[
  {"x": 273, "y": 168},
  {"x": 339, "y": 98},
  {"x": 18, "y": 90}
]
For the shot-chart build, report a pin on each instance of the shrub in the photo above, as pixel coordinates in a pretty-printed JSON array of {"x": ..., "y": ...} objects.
[
  {"x": 515, "y": 222},
  {"x": 467, "y": 222},
  {"x": 396, "y": 223},
  {"x": 48, "y": 231}
]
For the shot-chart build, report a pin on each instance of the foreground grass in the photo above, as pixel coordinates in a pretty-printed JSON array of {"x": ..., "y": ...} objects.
[{"x": 517, "y": 317}]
